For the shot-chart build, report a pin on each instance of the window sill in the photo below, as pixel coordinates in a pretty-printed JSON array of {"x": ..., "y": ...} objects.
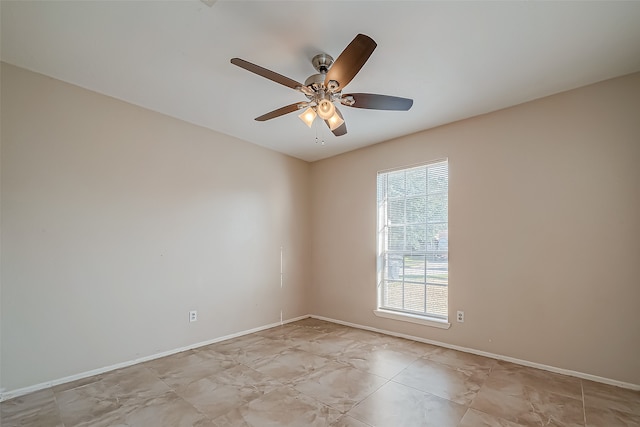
[{"x": 420, "y": 320}]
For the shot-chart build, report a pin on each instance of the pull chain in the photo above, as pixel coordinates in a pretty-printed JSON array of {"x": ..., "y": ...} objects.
[{"x": 316, "y": 129}]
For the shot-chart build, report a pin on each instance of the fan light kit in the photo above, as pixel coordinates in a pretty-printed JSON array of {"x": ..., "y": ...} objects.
[
  {"x": 308, "y": 116},
  {"x": 324, "y": 89}
]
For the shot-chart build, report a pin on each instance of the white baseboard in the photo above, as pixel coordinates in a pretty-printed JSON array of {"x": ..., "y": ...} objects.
[
  {"x": 6, "y": 395},
  {"x": 577, "y": 374}
]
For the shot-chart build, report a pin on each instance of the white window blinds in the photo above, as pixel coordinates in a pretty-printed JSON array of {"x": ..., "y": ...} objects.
[{"x": 413, "y": 240}]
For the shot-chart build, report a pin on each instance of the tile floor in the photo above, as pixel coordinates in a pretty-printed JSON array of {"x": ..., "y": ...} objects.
[{"x": 315, "y": 373}]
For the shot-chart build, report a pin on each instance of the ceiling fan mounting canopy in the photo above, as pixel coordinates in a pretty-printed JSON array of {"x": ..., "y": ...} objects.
[
  {"x": 323, "y": 90},
  {"x": 322, "y": 62}
]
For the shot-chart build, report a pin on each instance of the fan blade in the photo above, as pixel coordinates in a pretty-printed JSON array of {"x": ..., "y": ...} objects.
[
  {"x": 279, "y": 112},
  {"x": 351, "y": 60},
  {"x": 268, "y": 74},
  {"x": 340, "y": 130},
  {"x": 373, "y": 101}
]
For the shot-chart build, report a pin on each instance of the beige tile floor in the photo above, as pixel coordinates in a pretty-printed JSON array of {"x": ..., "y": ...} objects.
[{"x": 315, "y": 373}]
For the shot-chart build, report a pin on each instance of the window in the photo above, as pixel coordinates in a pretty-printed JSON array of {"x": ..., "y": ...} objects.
[{"x": 413, "y": 241}]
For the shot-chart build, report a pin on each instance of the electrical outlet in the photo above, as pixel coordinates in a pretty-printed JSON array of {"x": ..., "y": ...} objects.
[
  {"x": 193, "y": 316},
  {"x": 460, "y": 316}
]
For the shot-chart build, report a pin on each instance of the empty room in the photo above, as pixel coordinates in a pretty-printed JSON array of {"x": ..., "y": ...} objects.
[{"x": 321, "y": 213}]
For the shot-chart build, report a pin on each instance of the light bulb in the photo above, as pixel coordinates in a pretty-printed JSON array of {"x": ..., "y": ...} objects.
[
  {"x": 335, "y": 121},
  {"x": 326, "y": 109},
  {"x": 308, "y": 116}
]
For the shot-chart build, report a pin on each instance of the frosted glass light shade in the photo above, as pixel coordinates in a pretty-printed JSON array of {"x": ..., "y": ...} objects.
[
  {"x": 335, "y": 121},
  {"x": 308, "y": 116},
  {"x": 326, "y": 109}
]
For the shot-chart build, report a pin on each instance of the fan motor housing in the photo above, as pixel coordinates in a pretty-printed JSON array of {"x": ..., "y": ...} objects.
[{"x": 317, "y": 79}]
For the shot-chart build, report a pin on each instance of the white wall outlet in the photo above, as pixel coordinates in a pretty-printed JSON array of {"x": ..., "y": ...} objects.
[
  {"x": 460, "y": 316},
  {"x": 193, "y": 316}
]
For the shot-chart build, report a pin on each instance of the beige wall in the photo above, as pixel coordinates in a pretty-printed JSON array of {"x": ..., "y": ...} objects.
[
  {"x": 116, "y": 221},
  {"x": 544, "y": 203}
]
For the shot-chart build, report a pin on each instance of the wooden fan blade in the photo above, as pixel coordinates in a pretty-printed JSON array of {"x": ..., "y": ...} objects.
[
  {"x": 268, "y": 74},
  {"x": 340, "y": 130},
  {"x": 373, "y": 101},
  {"x": 351, "y": 60},
  {"x": 279, "y": 112}
]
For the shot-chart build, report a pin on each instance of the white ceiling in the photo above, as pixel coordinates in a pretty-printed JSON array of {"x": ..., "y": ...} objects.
[{"x": 455, "y": 59}]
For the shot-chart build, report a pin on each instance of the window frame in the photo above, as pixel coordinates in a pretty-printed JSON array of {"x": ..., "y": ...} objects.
[{"x": 383, "y": 224}]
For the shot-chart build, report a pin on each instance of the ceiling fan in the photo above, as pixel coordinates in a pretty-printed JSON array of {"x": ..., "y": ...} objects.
[{"x": 325, "y": 88}]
